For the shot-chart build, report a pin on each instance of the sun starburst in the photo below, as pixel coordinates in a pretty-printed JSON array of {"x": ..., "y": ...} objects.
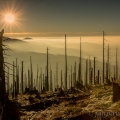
[{"x": 10, "y": 17}]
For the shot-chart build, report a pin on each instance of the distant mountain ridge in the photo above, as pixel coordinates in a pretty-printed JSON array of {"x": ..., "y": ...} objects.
[{"x": 7, "y": 39}]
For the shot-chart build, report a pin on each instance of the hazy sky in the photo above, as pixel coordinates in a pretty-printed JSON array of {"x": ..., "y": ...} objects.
[{"x": 63, "y": 16}]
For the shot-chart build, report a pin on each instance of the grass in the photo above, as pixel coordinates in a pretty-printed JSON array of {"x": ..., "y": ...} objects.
[{"x": 101, "y": 98}]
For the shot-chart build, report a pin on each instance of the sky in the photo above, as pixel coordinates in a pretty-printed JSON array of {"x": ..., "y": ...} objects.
[{"x": 57, "y": 17}]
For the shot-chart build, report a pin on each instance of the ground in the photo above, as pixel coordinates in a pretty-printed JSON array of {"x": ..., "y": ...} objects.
[{"x": 89, "y": 105}]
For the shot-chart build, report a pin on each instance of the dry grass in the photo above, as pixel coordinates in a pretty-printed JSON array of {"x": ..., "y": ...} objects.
[{"x": 101, "y": 98}]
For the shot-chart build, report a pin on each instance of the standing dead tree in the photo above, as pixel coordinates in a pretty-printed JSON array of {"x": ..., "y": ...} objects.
[
  {"x": 22, "y": 78},
  {"x": 74, "y": 75},
  {"x": 91, "y": 76},
  {"x": 108, "y": 66},
  {"x": 8, "y": 83},
  {"x": 13, "y": 93},
  {"x": 31, "y": 74},
  {"x": 86, "y": 75},
  {"x": 94, "y": 71},
  {"x": 47, "y": 77},
  {"x": 80, "y": 65},
  {"x": 103, "y": 55},
  {"x": 98, "y": 81},
  {"x": 17, "y": 77},
  {"x": 28, "y": 78},
  {"x": 89, "y": 70},
  {"x": 108, "y": 62},
  {"x": 114, "y": 72},
  {"x": 116, "y": 63},
  {"x": 51, "y": 86},
  {"x": 65, "y": 64},
  {"x": 71, "y": 77},
  {"x": 61, "y": 80},
  {"x": 2, "y": 73},
  {"x": 57, "y": 75},
  {"x": 41, "y": 81},
  {"x": 37, "y": 87}
]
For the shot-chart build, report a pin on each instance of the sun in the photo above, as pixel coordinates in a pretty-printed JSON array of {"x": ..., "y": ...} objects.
[{"x": 9, "y": 18}]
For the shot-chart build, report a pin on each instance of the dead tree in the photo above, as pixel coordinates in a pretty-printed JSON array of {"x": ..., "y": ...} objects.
[
  {"x": 71, "y": 76},
  {"x": 103, "y": 56},
  {"x": 39, "y": 84},
  {"x": 69, "y": 81},
  {"x": 41, "y": 81},
  {"x": 54, "y": 83},
  {"x": 8, "y": 83},
  {"x": 25, "y": 81},
  {"x": 61, "y": 80},
  {"x": 108, "y": 62},
  {"x": 22, "y": 78},
  {"x": 114, "y": 73},
  {"x": 116, "y": 64},
  {"x": 91, "y": 80},
  {"x": 51, "y": 79},
  {"x": 78, "y": 78},
  {"x": 17, "y": 79},
  {"x": 11, "y": 89},
  {"x": 57, "y": 75},
  {"x": 47, "y": 77},
  {"x": 16, "y": 75},
  {"x": 31, "y": 72},
  {"x": 94, "y": 71},
  {"x": 13, "y": 80},
  {"x": 37, "y": 77},
  {"x": 65, "y": 64},
  {"x": 86, "y": 72},
  {"x": 34, "y": 84},
  {"x": 98, "y": 81},
  {"x": 89, "y": 70},
  {"x": 80, "y": 65},
  {"x": 15, "y": 90},
  {"x": 28, "y": 78},
  {"x": 2, "y": 73},
  {"x": 107, "y": 66},
  {"x": 75, "y": 74},
  {"x": 106, "y": 72}
]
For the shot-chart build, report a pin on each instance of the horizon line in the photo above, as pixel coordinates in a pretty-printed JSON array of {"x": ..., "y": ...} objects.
[{"x": 63, "y": 33}]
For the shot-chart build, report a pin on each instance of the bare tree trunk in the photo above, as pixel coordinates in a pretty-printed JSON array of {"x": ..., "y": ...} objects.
[
  {"x": 103, "y": 57},
  {"x": 31, "y": 73},
  {"x": 57, "y": 75},
  {"x": 13, "y": 80},
  {"x": 80, "y": 66},
  {"x": 65, "y": 64},
  {"x": 89, "y": 69},
  {"x": 22, "y": 78},
  {"x": 47, "y": 84},
  {"x": 98, "y": 78},
  {"x": 75, "y": 74},
  {"x": 2, "y": 73},
  {"x": 94, "y": 71},
  {"x": 86, "y": 72},
  {"x": 71, "y": 76},
  {"x": 8, "y": 82},
  {"x": 28, "y": 78},
  {"x": 116, "y": 64}
]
